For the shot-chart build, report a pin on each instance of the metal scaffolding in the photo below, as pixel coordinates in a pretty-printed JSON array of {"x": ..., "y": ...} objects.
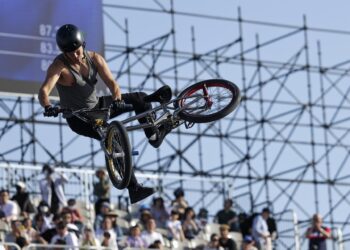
[{"x": 285, "y": 147}]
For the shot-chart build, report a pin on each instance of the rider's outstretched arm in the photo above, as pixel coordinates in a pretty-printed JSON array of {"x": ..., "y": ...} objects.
[
  {"x": 107, "y": 76},
  {"x": 52, "y": 75}
]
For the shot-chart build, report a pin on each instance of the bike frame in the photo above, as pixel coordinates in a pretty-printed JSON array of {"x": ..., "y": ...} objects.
[
  {"x": 169, "y": 113},
  {"x": 199, "y": 107},
  {"x": 164, "y": 116}
]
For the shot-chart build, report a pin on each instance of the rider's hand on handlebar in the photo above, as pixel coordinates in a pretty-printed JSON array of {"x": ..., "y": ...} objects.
[
  {"x": 51, "y": 111},
  {"x": 118, "y": 104},
  {"x": 121, "y": 106}
]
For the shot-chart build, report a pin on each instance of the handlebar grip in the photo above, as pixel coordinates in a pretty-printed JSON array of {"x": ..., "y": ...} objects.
[
  {"x": 58, "y": 111},
  {"x": 128, "y": 107},
  {"x": 122, "y": 106}
]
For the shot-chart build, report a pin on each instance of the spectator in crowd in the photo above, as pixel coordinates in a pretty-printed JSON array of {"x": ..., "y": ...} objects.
[
  {"x": 245, "y": 224},
  {"x": 39, "y": 223},
  {"x": 227, "y": 216},
  {"x": 224, "y": 240},
  {"x": 179, "y": 203},
  {"x": 16, "y": 235},
  {"x": 134, "y": 239},
  {"x": 106, "y": 233},
  {"x": 108, "y": 242},
  {"x": 30, "y": 232},
  {"x": 202, "y": 218},
  {"x": 145, "y": 215},
  {"x": 317, "y": 234},
  {"x": 44, "y": 210},
  {"x": 159, "y": 213},
  {"x": 213, "y": 243},
  {"x": 150, "y": 235},
  {"x": 9, "y": 208},
  {"x": 77, "y": 218},
  {"x": 23, "y": 200},
  {"x": 113, "y": 215},
  {"x": 189, "y": 225},
  {"x": 157, "y": 244},
  {"x": 51, "y": 231},
  {"x": 248, "y": 243},
  {"x": 271, "y": 224},
  {"x": 174, "y": 227},
  {"x": 89, "y": 238},
  {"x": 52, "y": 190},
  {"x": 101, "y": 189},
  {"x": 260, "y": 231},
  {"x": 64, "y": 237},
  {"x": 104, "y": 209},
  {"x": 67, "y": 219}
]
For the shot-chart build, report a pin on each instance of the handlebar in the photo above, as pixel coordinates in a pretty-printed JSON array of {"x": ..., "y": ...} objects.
[{"x": 120, "y": 107}]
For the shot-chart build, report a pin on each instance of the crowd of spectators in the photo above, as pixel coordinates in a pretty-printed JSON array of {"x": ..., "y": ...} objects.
[{"x": 58, "y": 221}]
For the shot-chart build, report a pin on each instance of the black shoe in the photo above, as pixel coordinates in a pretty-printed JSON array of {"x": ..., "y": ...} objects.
[
  {"x": 139, "y": 193},
  {"x": 161, "y": 132},
  {"x": 162, "y": 95}
]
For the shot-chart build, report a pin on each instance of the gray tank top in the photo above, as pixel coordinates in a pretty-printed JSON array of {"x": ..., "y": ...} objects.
[{"x": 82, "y": 94}]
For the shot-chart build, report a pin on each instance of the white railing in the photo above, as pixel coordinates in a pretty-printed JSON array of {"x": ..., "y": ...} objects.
[
  {"x": 51, "y": 246},
  {"x": 9, "y": 173},
  {"x": 14, "y": 172},
  {"x": 338, "y": 238},
  {"x": 81, "y": 181},
  {"x": 64, "y": 247},
  {"x": 10, "y": 244},
  {"x": 288, "y": 232}
]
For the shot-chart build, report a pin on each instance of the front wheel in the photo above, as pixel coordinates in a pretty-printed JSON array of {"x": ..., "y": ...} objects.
[
  {"x": 119, "y": 161},
  {"x": 208, "y": 100}
]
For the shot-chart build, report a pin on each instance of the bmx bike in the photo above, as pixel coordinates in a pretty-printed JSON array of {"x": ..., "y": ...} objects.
[{"x": 202, "y": 102}]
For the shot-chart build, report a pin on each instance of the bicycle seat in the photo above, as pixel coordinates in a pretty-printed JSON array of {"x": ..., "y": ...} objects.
[{"x": 162, "y": 95}]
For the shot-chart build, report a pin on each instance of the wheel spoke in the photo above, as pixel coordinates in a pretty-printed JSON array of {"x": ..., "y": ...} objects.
[
  {"x": 119, "y": 161},
  {"x": 219, "y": 97},
  {"x": 119, "y": 157}
]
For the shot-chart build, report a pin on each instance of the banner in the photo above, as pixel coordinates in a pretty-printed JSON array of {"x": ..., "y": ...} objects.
[{"x": 27, "y": 37}]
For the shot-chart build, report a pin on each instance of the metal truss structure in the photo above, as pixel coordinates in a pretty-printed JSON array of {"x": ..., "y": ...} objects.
[{"x": 285, "y": 147}]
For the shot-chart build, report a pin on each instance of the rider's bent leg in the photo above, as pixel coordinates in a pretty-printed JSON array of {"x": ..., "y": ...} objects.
[
  {"x": 155, "y": 136},
  {"x": 140, "y": 106},
  {"x": 82, "y": 128},
  {"x": 138, "y": 192}
]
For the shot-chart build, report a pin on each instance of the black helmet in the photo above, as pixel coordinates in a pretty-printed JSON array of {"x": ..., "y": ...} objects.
[{"x": 69, "y": 38}]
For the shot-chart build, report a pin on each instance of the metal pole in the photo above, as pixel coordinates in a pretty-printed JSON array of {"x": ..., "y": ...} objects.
[{"x": 296, "y": 231}]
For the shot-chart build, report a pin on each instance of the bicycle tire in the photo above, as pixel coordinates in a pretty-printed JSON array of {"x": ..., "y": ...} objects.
[
  {"x": 199, "y": 112},
  {"x": 119, "y": 167}
]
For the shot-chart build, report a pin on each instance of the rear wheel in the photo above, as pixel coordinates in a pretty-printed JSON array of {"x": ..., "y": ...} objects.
[
  {"x": 119, "y": 163},
  {"x": 208, "y": 100}
]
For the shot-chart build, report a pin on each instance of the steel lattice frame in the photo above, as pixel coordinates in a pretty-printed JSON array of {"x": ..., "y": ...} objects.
[{"x": 286, "y": 146}]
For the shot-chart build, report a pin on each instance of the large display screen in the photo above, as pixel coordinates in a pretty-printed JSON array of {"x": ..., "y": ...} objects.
[{"x": 27, "y": 37}]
